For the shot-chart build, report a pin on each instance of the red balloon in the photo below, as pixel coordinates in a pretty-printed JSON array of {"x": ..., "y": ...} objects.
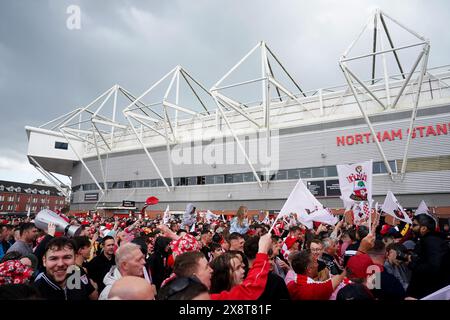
[{"x": 151, "y": 200}]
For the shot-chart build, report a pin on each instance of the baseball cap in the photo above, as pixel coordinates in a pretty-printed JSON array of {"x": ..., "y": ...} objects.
[{"x": 357, "y": 266}]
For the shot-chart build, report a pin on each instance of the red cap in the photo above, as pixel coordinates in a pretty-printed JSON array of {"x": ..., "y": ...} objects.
[
  {"x": 151, "y": 200},
  {"x": 357, "y": 266},
  {"x": 385, "y": 229},
  {"x": 290, "y": 242}
]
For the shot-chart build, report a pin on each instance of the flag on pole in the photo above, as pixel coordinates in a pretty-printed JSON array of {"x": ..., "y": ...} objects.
[
  {"x": 301, "y": 202},
  {"x": 422, "y": 209},
  {"x": 166, "y": 215},
  {"x": 361, "y": 213},
  {"x": 392, "y": 206},
  {"x": 355, "y": 182}
]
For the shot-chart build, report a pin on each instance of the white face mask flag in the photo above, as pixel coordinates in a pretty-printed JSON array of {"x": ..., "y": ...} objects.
[
  {"x": 355, "y": 182},
  {"x": 392, "y": 207}
]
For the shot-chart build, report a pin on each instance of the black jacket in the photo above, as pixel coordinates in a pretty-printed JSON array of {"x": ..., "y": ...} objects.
[
  {"x": 49, "y": 290},
  {"x": 98, "y": 267},
  {"x": 429, "y": 266},
  {"x": 275, "y": 290},
  {"x": 158, "y": 261}
]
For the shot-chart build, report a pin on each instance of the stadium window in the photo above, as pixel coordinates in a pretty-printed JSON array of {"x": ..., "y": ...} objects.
[
  {"x": 248, "y": 177},
  {"x": 146, "y": 183},
  {"x": 120, "y": 185},
  {"x": 305, "y": 173},
  {"x": 238, "y": 177},
  {"x": 154, "y": 183},
  {"x": 293, "y": 174},
  {"x": 228, "y": 178},
  {"x": 61, "y": 145},
  {"x": 127, "y": 184},
  {"x": 201, "y": 180},
  {"x": 318, "y": 172},
  {"x": 282, "y": 175},
  {"x": 2, "y": 198},
  {"x": 219, "y": 179},
  {"x": 376, "y": 167},
  {"x": 192, "y": 181},
  {"x": 209, "y": 180},
  {"x": 393, "y": 165},
  {"x": 331, "y": 171}
]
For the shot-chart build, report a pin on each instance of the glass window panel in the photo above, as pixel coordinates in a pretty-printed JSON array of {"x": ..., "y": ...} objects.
[
  {"x": 305, "y": 173},
  {"x": 331, "y": 171},
  {"x": 249, "y": 177},
  {"x": 153, "y": 183},
  {"x": 219, "y": 179},
  {"x": 192, "y": 181},
  {"x": 228, "y": 178},
  {"x": 238, "y": 177},
  {"x": 318, "y": 172},
  {"x": 281, "y": 175},
  {"x": 209, "y": 180},
  {"x": 293, "y": 174}
]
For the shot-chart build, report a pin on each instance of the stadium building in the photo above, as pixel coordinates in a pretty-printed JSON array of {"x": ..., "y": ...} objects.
[{"x": 249, "y": 138}]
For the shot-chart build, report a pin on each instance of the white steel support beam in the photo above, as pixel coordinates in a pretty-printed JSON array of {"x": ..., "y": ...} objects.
[
  {"x": 366, "y": 118},
  {"x": 408, "y": 78},
  {"x": 101, "y": 164},
  {"x": 48, "y": 175},
  {"x": 414, "y": 111},
  {"x": 238, "y": 142},
  {"x": 148, "y": 155},
  {"x": 230, "y": 103},
  {"x": 82, "y": 162}
]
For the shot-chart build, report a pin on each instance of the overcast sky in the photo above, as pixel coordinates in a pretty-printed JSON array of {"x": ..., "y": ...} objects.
[{"x": 47, "y": 70}]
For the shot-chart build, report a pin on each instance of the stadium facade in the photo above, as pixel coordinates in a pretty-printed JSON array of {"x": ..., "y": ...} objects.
[{"x": 228, "y": 151}]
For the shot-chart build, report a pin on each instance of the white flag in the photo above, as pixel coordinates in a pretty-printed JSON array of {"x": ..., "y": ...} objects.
[
  {"x": 223, "y": 218},
  {"x": 442, "y": 294},
  {"x": 423, "y": 208},
  {"x": 29, "y": 211},
  {"x": 301, "y": 202},
  {"x": 166, "y": 216},
  {"x": 392, "y": 206},
  {"x": 211, "y": 216},
  {"x": 192, "y": 228},
  {"x": 361, "y": 212},
  {"x": 355, "y": 182},
  {"x": 323, "y": 216},
  {"x": 266, "y": 219}
]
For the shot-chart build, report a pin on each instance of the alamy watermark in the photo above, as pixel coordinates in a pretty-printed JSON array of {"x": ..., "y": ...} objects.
[
  {"x": 204, "y": 147},
  {"x": 73, "y": 22}
]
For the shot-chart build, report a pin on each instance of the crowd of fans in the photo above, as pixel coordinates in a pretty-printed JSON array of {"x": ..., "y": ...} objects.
[{"x": 199, "y": 258}]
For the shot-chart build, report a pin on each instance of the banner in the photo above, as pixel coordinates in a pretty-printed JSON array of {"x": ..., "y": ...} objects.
[
  {"x": 302, "y": 203},
  {"x": 355, "y": 181},
  {"x": 392, "y": 206}
]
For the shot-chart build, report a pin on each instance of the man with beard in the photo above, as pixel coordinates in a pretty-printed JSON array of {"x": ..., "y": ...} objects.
[
  {"x": 59, "y": 281},
  {"x": 430, "y": 261},
  {"x": 98, "y": 267}
]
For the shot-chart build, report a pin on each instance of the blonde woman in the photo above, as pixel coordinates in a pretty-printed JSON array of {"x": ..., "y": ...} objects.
[{"x": 239, "y": 223}]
